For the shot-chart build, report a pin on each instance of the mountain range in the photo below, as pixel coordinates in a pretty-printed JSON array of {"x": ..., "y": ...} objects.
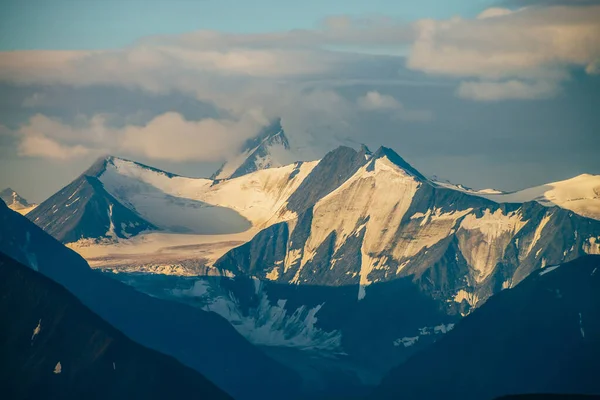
[
  {"x": 198, "y": 339},
  {"x": 340, "y": 268}
]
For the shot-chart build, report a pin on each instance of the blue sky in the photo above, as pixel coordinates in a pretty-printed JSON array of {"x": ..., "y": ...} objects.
[
  {"x": 99, "y": 24},
  {"x": 495, "y": 98}
]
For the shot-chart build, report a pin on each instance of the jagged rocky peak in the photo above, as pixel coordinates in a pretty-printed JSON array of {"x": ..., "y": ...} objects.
[
  {"x": 270, "y": 148},
  {"x": 364, "y": 149},
  {"x": 85, "y": 210},
  {"x": 13, "y": 199},
  {"x": 392, "y": 156},
  {"x": 15, "y": 202},
  {"x": 99, "y": 166},
  {"x": 271, "y": 134}
]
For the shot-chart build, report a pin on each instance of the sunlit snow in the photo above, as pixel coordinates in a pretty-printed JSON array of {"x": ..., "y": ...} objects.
[
  {"x": 549, "y": 269},
  {"x": 37, "y": 330}
]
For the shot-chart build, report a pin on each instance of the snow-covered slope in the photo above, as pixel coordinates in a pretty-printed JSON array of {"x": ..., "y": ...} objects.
[
  {"x": 171, "y": 203},
  {"x": 270, "y": 148},
  {"x": 117, "y": 199},
  {"x": 387, "y": 220},
  {"x": 333, "y": 246},
  {"x": 203, "y": 205},
  {"x": 365, "y": 230},
  {"x": 462, "y": 188},
  {"x": 580, "y": 194},
  {"x": 85, "y": 210},
  {"x": 15, "y": 202}
]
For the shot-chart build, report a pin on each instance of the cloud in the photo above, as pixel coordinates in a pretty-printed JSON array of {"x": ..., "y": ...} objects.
[
  {"x": 170, "y": 137},
  {"x": 186, "y": 62},
  {"x": 512, "y": 89},
  {"x": 375, "y": 101},
  {"x": 528, "y": 3},
  {"x": 35, "y": 100},
  {"x": 494, "y": 12},
  {"x": 524, "y": 53},
  {"x": 538, "y": 44},
  {"x": 166, "y": 137},
  {"x": 233, "y": 71},
  {"x": 44, "y": 147}
]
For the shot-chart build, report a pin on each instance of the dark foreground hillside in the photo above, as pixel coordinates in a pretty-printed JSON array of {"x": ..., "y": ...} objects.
[
  {"x": 53, "y": 347},
  {"x": 543, "y": 336}
]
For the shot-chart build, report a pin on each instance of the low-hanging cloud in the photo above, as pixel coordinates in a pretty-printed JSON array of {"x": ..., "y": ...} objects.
[
  {"x": 511, "y": 89},
  {"x": 166, "y": 137},
  {"x": 44, "y": 147},
  {"x": 375, "y": 101}
]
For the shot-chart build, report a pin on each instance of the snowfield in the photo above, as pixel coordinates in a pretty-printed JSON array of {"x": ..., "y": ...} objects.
[
  {"x": 580, "y": 194},
  {"x": 201, "y": 219}
]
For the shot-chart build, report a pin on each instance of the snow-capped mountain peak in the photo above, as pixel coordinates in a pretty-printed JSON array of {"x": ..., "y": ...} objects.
[
  {"x": 270, "y": 148},
  {"x": 15, "y": 202},
  {"x": 580, "y": 194},
  {"x": 394, "y": 158}
]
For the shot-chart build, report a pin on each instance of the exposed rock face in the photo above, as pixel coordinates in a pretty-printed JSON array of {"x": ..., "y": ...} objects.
[
  {"x": 381, "y": 233},
  {"x": 84, "y": 209},
  {"x": 270, "y": 148},
  {"x": 383, "y": 220}
]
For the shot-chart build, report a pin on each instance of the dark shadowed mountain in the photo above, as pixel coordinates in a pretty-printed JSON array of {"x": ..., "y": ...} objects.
[
  {"x": 549, "y": 396},
  {"x": 84, "y": 209},
  {"x": 542, "y": 336},
  {"x": 201, "y": 340},
  {"x": 115, "y": 199},
  {"x": 53, "y": 347}
]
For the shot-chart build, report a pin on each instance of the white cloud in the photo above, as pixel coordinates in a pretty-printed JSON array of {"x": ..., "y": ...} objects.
[
  {"x": 499, "y": 55},
  {"x": 166, "y": 137},
  {"x": 44, "y": 147},
  {"x": 170, "y": 137},
  {"x": 533, "y": 42},
  {"x": 375, "y": 101},
  {"x": 235, "y": 70},
  {"x": 536, "y": 44},
  {"x": 494, "y": 12},
  {"x": 187, "y": 62},
  {"x": 512, "y": 89}
]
